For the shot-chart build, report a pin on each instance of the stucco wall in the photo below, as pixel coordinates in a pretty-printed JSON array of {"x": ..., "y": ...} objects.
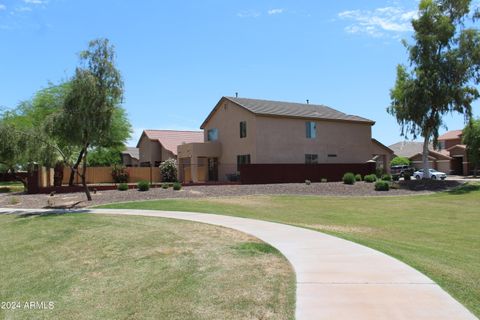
[
  {"x": 227, "y": 120},
  {"x": 150, "y": 151},
  {"x": 283, "y": 140}
]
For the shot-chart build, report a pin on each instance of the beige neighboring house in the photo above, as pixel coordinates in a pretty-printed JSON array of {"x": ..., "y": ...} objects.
[
  {"x": 156, "y": 146},
  {"x": 130, "y": 157},
  {"x": 242, "y": 131}
]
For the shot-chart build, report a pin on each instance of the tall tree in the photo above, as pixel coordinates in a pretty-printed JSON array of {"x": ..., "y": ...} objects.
[
  {"x": 471, "y": 137},
  {"x": 444, "y": 68},
  {"x": 96, "y": 91}
]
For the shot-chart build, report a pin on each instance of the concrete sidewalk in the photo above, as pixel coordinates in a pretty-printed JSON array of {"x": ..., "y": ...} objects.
[{"x": 336, "y": 279}]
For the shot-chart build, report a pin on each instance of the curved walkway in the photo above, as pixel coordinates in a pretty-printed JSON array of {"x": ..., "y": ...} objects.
[{"x": 336, "y": 278}]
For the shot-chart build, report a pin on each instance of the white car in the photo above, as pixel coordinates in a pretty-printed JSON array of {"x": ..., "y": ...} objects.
[{"x": 434, "y": 174}]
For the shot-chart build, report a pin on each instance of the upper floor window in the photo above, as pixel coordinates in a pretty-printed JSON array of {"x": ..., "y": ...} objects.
[
  {"x": 243, "y": 129},
  {"x": 311, "y": 129},
  {"x": 311, "y": 158},
  {"x": 441, "y": 145},
  {"x": 212, "y": 134}
]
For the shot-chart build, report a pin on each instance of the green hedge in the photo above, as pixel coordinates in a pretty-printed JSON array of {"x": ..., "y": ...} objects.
[
  {"x": 382, "y": 185},
  {"x": 370, "y": 178},
  {"x": 143, "y": 185},
  {"x": 349, "y": 178}
]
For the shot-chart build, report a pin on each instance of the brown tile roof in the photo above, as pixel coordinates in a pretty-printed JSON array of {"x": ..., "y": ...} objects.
[
  {"x": 407, "y": 148},
  {"x": 450, "y": 135},
  {"x": 290, "y": 110},
  {"x": 133, "y": 152},
  {"x": 171, "y": 139}
]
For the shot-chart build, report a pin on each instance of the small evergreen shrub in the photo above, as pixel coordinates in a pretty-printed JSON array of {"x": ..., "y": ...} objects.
[
  {"x": 177, "y": 186},
  {"x": 165, "y": 186},
  {"x": 324, "y": 180},
  {"x": 143, "y": 185},
  {"x": 168, "y": 170},
  {"x": 119, "y": 175},
  {"x": 349, "y": 178},
  {"x": 382, "y": 185},
  {"x": 122, "y": 187},
  {"x": 371, "y": 178},
  {"x": 407, "y": 176},
  {"x": 386, "y": 177},
  {"x": 358, "y": 177},
  {"x": 308, "y": 182}
]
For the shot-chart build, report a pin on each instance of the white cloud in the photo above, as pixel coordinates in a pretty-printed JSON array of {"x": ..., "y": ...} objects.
[
  {"x": 35, "y": 1},
  {"x": 23, "y": 9},
  {"x": 248, "y": 14},
  {"x": 275, "y": 11},
  {"x": 387, "y": 21},
  {"x": 3, "y": 7}
]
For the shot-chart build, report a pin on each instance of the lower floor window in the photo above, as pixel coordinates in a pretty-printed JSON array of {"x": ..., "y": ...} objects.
[
  {"x": 311, "y": 158},
  {"x": 242, "y": 159}
]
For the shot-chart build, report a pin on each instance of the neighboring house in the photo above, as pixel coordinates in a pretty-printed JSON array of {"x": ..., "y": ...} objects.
[
  {"x": 130, "y": 157},
  {"x": 450, "y": 156},
  {"x": 243, "y": 131},
  {"x": 156, "y": 146}
]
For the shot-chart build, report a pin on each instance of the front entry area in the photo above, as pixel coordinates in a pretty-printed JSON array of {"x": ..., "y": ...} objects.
[{"x": 457, "y": 166}]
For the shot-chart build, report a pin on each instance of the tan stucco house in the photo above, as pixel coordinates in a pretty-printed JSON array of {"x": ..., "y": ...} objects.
[
  {"x": 130, "y": 157},
  {"x": 450, "y": 156},
  {"x": 156, "y": 146},
  {"x": 250, "y": 131}
]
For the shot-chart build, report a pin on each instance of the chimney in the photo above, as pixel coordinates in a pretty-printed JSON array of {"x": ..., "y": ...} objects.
[
  {"x": 308, "y": 101},
  {"x": 236, "y": 94}
]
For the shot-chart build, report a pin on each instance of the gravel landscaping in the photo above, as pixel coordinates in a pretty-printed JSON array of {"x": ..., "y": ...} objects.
[{"x": 18, "y": 200}]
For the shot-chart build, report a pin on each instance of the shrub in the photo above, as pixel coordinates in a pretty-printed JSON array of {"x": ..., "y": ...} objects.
[
  {"x": 168, "y": 170},
  {"x": 407, "y": 176},
  {"x": 396, "y": 177},
  {"x": 165, "y": 186},
  {"x": 382, "y": 185},
  {"x": 143, "y": 185},
  {"x": 349, "y": 178},
  {"x": 324, "y": 180},
  {"x": 400, "y": 161},
  {"x": 358, "y": 177},
  {"x": 177, "y": 186},
  {"x": 119, "y": 175},
  {"x": 386, "y": 177},
  {"x": 370, "y": 178},
  {"x": 122, "y": 187},
  {"x": 308, "y": 182}
]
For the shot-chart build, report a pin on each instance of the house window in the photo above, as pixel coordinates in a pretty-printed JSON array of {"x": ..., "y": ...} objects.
[
  {"x": 311, "y": 158},
  {"x": 243, "y": 129},
  {"x": 311, "y": 129},
  {"x": 332, "y": 155},
  {"x": 212, "y": 134},
  {"x": 242, "y": 159},
  {"x": 441, "y": 145}
]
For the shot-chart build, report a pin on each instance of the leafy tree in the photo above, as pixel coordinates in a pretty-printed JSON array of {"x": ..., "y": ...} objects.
[
  {"x": 444, "y": 68},
  {"x": 96, "y": 90},
  {"x": 104, "y": 157},
  {"x": 471, "y": 137},
  {"x": 400, "y": 161}
]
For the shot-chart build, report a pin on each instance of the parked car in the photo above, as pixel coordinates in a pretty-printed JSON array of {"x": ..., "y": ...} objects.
[
  {"x": 400, "y": 170},
  {"x": 434, "y": 174}
]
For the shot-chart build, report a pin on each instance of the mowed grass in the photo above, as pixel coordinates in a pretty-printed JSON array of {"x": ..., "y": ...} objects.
[
  {"x": 117, "y": 267},
  {"x": 13, "y": 186},
  {"x": 437, "y": 234}
]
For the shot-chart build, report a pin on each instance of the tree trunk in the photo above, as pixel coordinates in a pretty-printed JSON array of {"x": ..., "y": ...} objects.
[
  {"x": 74, "y": 169},
  {"x": 83, "y": 175},
  {"x": 426, "y": 172}
]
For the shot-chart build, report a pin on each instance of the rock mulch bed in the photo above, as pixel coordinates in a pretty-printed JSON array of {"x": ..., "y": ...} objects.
[{"x": 319, "y": 189}]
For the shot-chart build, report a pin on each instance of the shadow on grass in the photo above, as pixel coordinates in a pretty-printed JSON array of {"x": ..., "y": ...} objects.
[
  {"x": 43, "y": 214},
  {"x": 465, "y": 188}
]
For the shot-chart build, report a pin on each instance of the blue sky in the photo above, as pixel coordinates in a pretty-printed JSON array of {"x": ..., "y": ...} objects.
[{"x": 178, "y": 58}]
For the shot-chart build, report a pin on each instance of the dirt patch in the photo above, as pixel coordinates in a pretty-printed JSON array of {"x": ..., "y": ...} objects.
[{"x": 343, "y": 229}]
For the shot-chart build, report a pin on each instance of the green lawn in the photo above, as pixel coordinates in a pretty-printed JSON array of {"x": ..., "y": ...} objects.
[
  {"x": 118, "y": 267},
  {"x": 11, "y": 186},
  {"x": 437, "y": 234}
]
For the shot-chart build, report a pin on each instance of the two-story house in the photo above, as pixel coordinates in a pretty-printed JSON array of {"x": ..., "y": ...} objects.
[{"x": 250, "y": 131}]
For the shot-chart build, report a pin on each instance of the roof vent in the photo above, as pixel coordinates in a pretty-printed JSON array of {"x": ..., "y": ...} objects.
[
  {"x": 308, "y": 101},
  {"x": 236, "y": 94}
]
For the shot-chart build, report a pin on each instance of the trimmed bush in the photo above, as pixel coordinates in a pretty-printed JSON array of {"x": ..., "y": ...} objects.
[
  {"x": 119, "y": 175},
  {"x": 371, "y": 178},
  {"x": 122, "y": 187},
  {"x": 358, "y": 177},
  {"x": 143, "y": 185},
  {"x": 400, "y": 161},
  {"x": 177, "y": 186},
  {"x": 308, "y": 182},
  {"x": 349, "y": 178},
  {"x": 165, "y": 186},
  {"x": 168, "y": 170},
  {"x": 386, "y": 177},
  {"x": 407, "y": 176},
  {"x": 382, "y": 185}
]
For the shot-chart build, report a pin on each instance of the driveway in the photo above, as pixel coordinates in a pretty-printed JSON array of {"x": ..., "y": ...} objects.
[{"x": 336, "y": 279}]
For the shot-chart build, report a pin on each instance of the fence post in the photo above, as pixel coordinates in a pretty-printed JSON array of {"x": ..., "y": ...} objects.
[{"x": 151, "y": 175}]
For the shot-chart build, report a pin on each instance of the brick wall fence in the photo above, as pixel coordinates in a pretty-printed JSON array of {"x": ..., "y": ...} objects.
[{"x": 298, "y": 173}]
